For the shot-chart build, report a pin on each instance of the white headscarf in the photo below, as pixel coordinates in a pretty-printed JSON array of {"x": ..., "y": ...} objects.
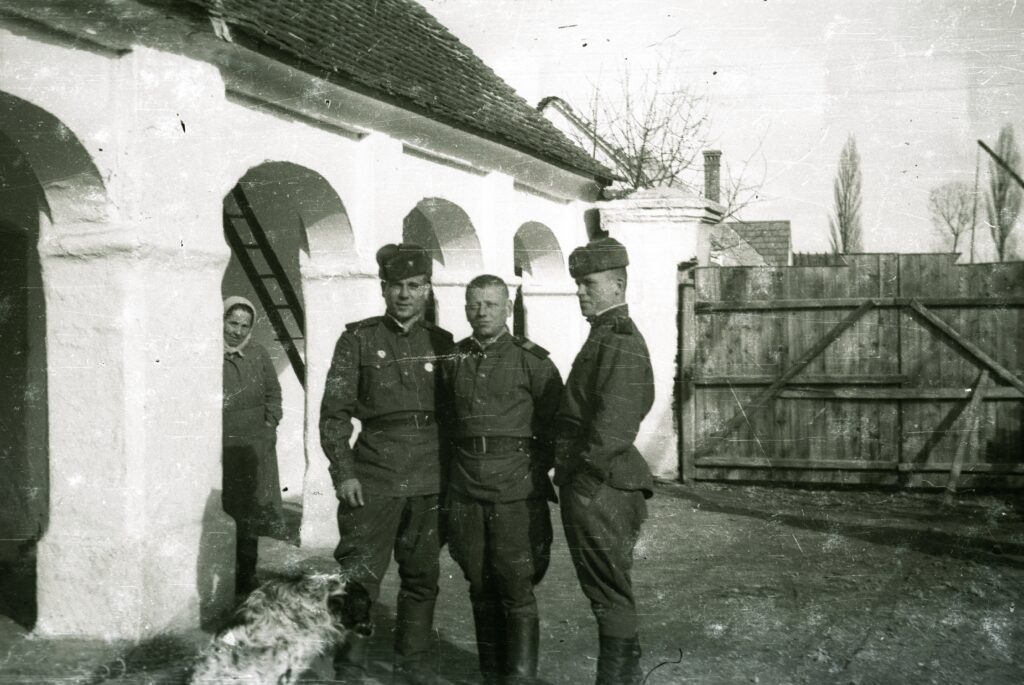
[{"x": 230, "y": 302}]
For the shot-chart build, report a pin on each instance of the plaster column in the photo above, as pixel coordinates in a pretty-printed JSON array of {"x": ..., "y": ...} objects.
[
  {"x": 660, "y": 228},
  {"x": 137, "y": 543},
  {"x": 334, "y": 297},
  {"x": 495, "y": 232},
  {"x": 553, "y": 321},
  {"x": 450, "y": 295}
]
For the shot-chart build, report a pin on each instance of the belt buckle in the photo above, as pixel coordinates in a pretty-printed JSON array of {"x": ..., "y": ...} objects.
[
  {"x": 480, "y": 444},
  {"x": 421, "y": 420}
]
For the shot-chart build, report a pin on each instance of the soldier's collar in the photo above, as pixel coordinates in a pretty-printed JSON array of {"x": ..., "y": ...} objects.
[
  {"x": 403, "y": 329},
  {"x": 484, "y": 344},
  {"x": 609, "y": 313}
]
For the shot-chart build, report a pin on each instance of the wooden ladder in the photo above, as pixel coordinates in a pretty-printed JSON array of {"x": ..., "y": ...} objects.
[{"x": 245, "y": 248}]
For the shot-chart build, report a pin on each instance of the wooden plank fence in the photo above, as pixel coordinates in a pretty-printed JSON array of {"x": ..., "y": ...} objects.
[{"x": 855, "y": 373}]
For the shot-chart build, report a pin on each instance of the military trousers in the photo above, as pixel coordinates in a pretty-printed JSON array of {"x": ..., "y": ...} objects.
[
  {"x": 503, "y": 549},
  {"x": 407, "y": 526},
  {"x": 601, "y": 525}
]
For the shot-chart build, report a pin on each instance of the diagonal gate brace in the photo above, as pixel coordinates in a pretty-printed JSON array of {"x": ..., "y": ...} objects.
[
  {"x": 979, "y": 354},
  {"x": 761, "y": 400}
]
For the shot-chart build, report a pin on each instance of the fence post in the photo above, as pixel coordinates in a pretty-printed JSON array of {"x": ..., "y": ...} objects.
[{"x": 684, "y": 375}]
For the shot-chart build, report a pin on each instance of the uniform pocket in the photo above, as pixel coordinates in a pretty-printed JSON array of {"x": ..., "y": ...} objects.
[
  {"x": 503, "y": 381},
  {"x": 375, "y": 376},
  {"x": 586, "y": 488}
]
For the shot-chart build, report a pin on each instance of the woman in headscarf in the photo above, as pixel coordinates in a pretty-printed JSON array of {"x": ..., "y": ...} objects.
[{"x": 252, "y": 409}]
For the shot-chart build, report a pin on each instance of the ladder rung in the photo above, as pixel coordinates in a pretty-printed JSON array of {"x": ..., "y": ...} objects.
[
  {"x": 266, "y": 275},
  {"x": 291, "y": 339},
  {"x": 283, "y": 306},
  {"x": 250, "y": 245},
  {"x": 234, "y": 216}
]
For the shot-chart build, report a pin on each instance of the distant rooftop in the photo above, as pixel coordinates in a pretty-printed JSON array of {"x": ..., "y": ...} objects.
[
  {"x": 771, "y": 239},
  {"x": 396, "y": 49}
]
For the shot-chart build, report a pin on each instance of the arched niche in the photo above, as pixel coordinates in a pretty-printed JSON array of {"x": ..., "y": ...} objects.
[
  {"x": 539, "y": 263},
  {"x": 537, "y": 254},
  {"x": 304, "y": 223},
  {"x": 49, "y": 186},
  {"x": 446, "y": 232},
  {"x": 73, "y": 194},
  {"x": 303, "y": 219},
  {"x": 295, "y": 198}
]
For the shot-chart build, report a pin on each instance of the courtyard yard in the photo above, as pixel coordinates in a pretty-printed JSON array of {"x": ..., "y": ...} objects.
[{"x": 736, "y": 585}]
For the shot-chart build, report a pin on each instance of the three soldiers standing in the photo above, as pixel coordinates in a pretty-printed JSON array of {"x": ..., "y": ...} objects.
[{"x": 496, "y": 406}]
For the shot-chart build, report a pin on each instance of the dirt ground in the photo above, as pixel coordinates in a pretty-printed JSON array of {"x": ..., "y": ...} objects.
[{"x": 736, "y": 584}]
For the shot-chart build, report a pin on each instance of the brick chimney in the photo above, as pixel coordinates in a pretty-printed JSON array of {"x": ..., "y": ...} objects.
[{"x": 712, "y": 174}]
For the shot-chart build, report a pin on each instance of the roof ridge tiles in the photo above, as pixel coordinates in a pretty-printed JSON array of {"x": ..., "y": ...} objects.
[{"x": 371, "y": 44}]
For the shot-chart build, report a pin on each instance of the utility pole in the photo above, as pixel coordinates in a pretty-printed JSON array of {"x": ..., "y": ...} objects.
[
  {"x": 1001, "y": 162},
  {"x": 974, "y": 210}
]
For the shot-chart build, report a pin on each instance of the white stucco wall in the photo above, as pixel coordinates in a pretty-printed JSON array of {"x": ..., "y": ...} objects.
[
  {"x": 660, "y": 228},
  {"x": 144, "y": 147}
]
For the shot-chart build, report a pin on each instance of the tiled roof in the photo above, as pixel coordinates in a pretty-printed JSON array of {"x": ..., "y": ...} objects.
[
  {"x": 395, "y": 48},
  {"x": 771, "y": 239},
  {"x": 729, "y": 249}
]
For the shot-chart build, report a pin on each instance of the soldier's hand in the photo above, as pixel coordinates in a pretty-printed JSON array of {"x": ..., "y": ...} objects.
[{"x": 350, "y": 492}]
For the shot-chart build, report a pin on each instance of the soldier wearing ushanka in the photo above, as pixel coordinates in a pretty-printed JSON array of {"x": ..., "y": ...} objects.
[
  {"x": 385, "y": 372},
  {"x": 603, "y": 478}
]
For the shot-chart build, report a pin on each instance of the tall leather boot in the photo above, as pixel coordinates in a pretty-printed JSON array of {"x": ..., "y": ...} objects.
[
  {"x": 523, "y": 642},
  {"x": 489, "y": 621},
  {"x": 413, "y": 643},
  {"x": 246, "y": 553},
  {"x": 350, "y": 660},
  {"x": 618, "y": 662},
  {"x": 631, "y": 672}
]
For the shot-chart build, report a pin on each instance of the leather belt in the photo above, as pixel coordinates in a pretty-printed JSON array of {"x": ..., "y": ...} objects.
[
  {"x": 401, "y": 419},
  {"x": 484, "y": 444}
]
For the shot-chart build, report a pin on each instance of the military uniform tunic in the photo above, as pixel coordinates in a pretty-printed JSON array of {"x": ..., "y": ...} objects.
[
  {"x": 604, "y": 478},
  {"x": 512, "y": 390},
  {"x": 504, "y": 398},
  {"x": 388, "y": 378}
]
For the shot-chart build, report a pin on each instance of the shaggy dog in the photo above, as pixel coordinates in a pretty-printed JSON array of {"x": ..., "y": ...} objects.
[{"x": 282, "y": 628}]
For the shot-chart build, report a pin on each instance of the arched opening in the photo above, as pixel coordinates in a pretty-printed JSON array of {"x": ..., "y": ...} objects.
[
  {"x": 538, "y": 261},
  {"x": 276, "y": 219},
  {"x": 445, "y": 231},
  {"x": 46, "y": 177}
]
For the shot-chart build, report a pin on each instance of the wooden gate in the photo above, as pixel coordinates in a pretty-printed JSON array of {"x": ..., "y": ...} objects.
[{"x": 863, "y": 373}]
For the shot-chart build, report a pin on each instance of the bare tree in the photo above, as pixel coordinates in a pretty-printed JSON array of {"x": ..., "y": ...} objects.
[
  {"x": 952, "y": 208},
  {"x": 844, "y": 224},
  {"x": 742, "y": 183},
  {"x": 655, "y": 128},
  {"x": 652, "y": 130},
  {"x": 1004, "y": 193}
]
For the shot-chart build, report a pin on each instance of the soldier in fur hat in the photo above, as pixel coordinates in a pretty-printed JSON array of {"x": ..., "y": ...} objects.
[
  {"x": 604, "y": 481},
  {"x": 385, "y": 372}
]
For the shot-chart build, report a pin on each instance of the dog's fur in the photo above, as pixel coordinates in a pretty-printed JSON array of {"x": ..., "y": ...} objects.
[{"x": 282, "y": 628}]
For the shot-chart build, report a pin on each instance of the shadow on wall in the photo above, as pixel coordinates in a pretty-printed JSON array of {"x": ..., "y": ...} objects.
[
  {"x": 18, "y": 586},
  {"x": 24, "y": 466},
  {"x": 215, "y": 564}
]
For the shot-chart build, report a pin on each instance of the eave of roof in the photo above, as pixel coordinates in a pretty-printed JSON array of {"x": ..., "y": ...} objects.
[{"x": 396, "y": 51}]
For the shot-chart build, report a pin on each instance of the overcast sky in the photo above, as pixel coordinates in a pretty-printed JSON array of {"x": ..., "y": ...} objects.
[{"x": 916, "y": 82}]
